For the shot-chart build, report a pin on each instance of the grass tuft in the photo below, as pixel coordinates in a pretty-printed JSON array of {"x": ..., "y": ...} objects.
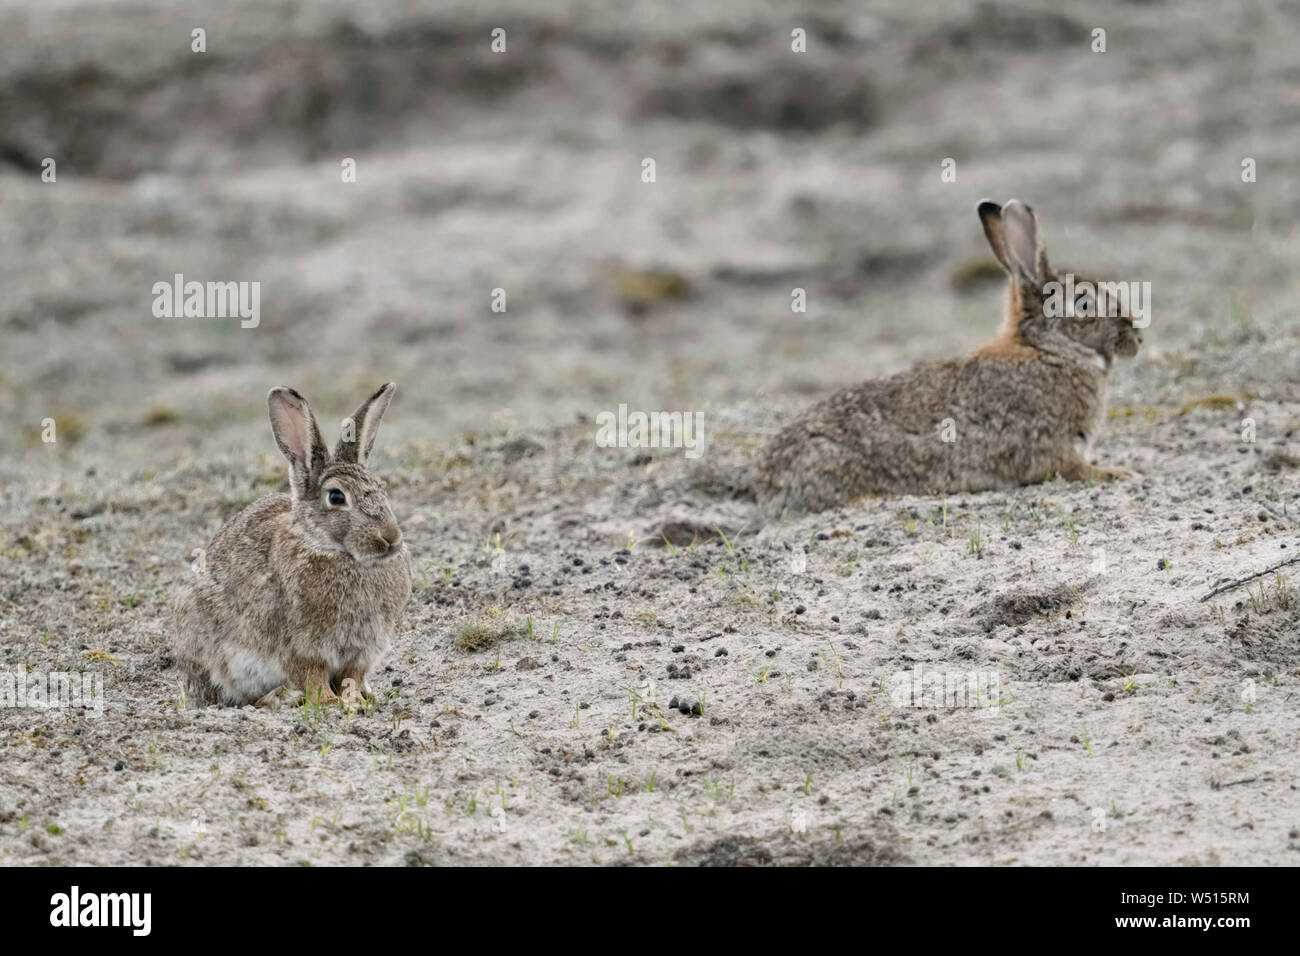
[{"x": 480, "y": 635}]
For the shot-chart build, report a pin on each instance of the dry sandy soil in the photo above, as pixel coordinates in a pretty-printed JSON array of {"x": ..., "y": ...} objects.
[{"x": 1129, "y": 721}]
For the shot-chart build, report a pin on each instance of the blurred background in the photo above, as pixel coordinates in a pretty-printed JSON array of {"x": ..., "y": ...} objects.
[{"x": 522, "y": 171}]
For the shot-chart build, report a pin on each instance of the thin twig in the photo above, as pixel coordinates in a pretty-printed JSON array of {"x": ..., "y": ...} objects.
[{"x": 1250, "y": 577}]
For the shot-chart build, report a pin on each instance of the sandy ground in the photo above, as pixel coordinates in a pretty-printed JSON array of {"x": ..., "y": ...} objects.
[{"x": 1121, "y": 720}]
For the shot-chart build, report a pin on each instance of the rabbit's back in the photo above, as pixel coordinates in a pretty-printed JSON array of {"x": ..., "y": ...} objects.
[
  {"x": 878, "y": 437},
  {"x": 969, "y": 424},
  {"x": 230, "y": 618}
]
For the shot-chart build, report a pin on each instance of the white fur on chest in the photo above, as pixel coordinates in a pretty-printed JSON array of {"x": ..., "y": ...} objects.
[
  {"x": 253, "y": 676},
  {"x": 355, "y": 642}
]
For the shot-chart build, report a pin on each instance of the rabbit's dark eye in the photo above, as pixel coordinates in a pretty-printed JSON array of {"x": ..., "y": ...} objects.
[{"x": 337, "y": 498}]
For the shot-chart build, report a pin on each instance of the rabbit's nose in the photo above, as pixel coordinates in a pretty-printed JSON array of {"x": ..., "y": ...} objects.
[{"x": 392, "y": 536}]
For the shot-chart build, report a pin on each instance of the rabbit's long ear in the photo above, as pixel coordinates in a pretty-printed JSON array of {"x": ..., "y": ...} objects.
[
  {"x": 991, "y": 219},
  {"x": 299, "y": 439},
  {"x": 357, "y": 441},
  {"x": 1023, "y": 242}
]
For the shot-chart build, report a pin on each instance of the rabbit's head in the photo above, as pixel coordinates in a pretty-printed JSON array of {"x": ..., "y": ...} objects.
[
  {"x": 337, "y": 504},
  {"x": 1064, "y": 314}
]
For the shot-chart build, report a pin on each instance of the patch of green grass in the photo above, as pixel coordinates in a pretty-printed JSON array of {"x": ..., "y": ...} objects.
[
  {"x": 975, "y": 273},
  {"x": 1070, "y": 523},
  {"x": 479, "y": 635},
  {"x": 640, "y": 290},
  {"x": 161, "y": 415},
  {"x": 1264, "y": 599},
  {"x": 1215, "y": 402}
]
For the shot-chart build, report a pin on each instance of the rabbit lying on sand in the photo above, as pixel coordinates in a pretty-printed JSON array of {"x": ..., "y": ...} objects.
[
  {"x": 301, "y": 592},
  {"x": 1023, "y": 407}
]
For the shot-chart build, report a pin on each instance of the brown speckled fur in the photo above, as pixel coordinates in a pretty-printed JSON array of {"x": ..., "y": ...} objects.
[
  {"x": 1024, "y": 407},
  {"x": 292, "y": 586}
]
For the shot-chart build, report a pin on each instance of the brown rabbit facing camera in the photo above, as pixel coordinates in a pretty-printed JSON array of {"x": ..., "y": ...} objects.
[{"x": 299, "y": 592}]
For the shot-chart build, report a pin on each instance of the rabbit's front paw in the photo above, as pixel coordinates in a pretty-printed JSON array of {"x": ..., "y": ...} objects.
[
  {"x": 314, "y": 679},
  {"x": 354, "y": 694},
  {"x": 323, "y": 696},
  {"x": 1115, "y": 474}
]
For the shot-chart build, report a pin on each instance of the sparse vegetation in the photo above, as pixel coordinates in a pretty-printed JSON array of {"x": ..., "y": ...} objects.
[{"x": 474, "y": 636}]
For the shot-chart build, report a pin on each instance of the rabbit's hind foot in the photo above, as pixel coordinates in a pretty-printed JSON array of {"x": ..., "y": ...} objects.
[
  {"x": 1080, "y": 470},
  {"x": 280, "y": 697}
]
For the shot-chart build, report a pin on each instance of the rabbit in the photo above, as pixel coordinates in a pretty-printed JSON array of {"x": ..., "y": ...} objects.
[
  {"x": 299, "y": 592},
  {"x": 1021, "y": 408}
]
